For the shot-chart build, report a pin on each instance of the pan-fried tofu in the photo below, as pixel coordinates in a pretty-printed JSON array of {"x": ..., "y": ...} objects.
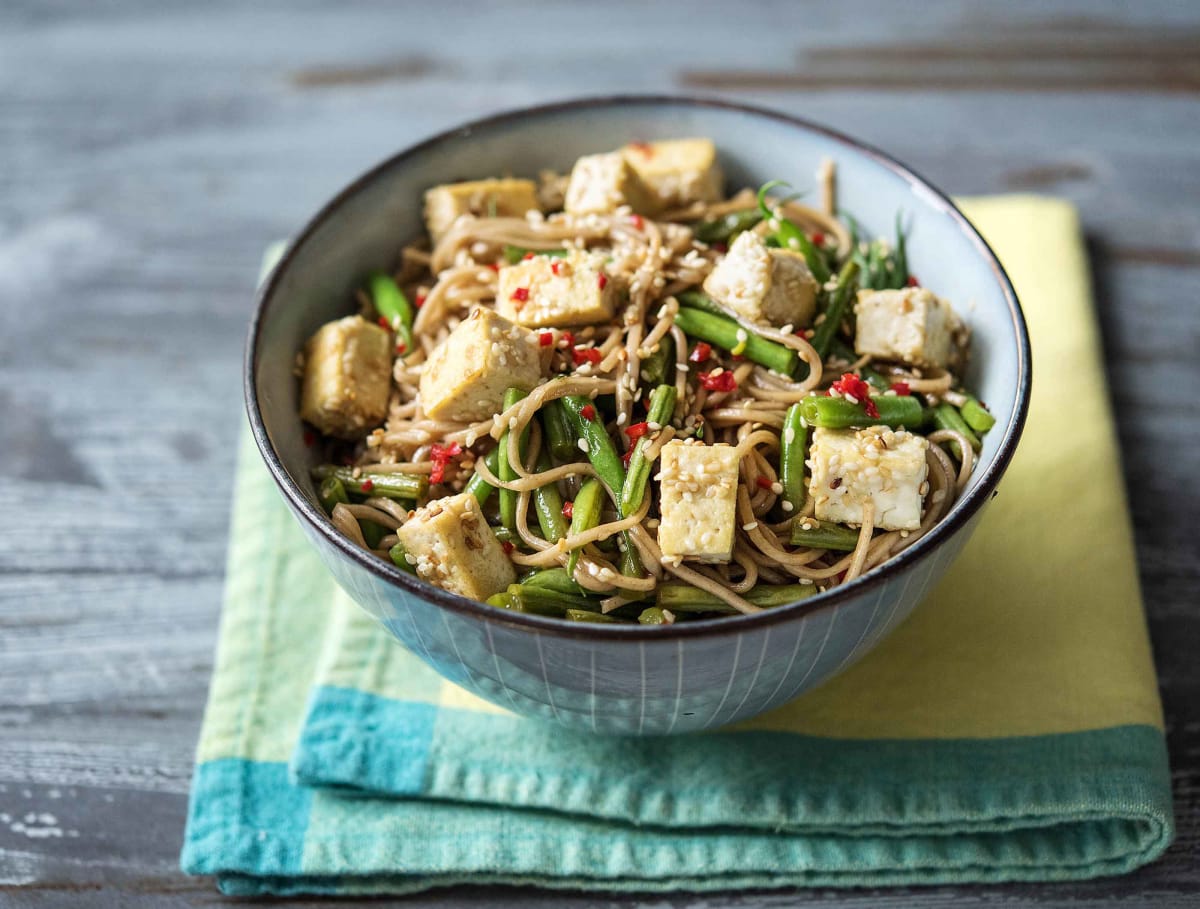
[
  {"x": 697, "y": 500},
  {"x": 561, "y": 292},
  {"x": 767, "y": 286},
  {"x": 467, "y": 374},
  {"x": 603, "y": 183},
  {"x": 911, "y": 325},
  {"x": 506, "y": 198},
  {"x": 347, "y": 377},
  {"x": 450, "y": 544},
  {"x": 678, "y": 171},
  {"x": 849, "y": 467}
]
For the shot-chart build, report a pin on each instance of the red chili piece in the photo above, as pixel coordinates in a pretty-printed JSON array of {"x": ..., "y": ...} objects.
[
  {"x": 901, "y": 388},
  {"x": 588, "y": 412},
  {"x": 913, "y": 282},
  {"x": 441, "y": 455},
  {"x": 507, "y": 547},
  {"x": 585, "y": 355},
  {"x": 310, "y": 438},
  {"x": 569, "y": 337},
  {"x": 818, "y": 239},
  {"x": 368, "y": 484},
  {"x": 568, "y": 510},
  {"x": 625, "y": 457},
  {"x": 852, "y": 386},
  {"x": 521, "y": 294},
  {"x": 637, "y": 221},
  {"x": 384, "y": 323},
  {"x": 636, "y": 431},
  {"x": 494, "y": 266},
  {"x": 721, "y": 247},
  {"x": 527, "y": 256},
  {"x": 556, "y": 266},
  {"x": 701, "y": 352},
  {"x": 602, "y": 280},
  {"x": 420, "y": 300},
  {"x": 763, "y": 483},
  {"x": 723, "y": 382},
  {"x": 401, "y": 347},
  {"x": 546, "y": 338}
]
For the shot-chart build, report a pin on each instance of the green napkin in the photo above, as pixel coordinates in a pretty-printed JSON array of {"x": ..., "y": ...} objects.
[{"x": 1009, "y": 731}]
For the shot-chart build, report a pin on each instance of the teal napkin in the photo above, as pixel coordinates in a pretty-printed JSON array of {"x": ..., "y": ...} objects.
[{"x": 332, "y": 761}]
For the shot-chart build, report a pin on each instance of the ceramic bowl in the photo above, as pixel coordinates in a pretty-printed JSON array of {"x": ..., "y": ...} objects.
[{"x": 616, "y": 678}]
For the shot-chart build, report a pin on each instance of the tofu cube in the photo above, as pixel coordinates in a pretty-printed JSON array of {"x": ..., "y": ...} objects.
[
  {"x": 452, "y": 546},
  {"x": 697, "y": 500},
  {"x": 347, "y": 377},
  {"x": 767, "y": 286},
  {"x": 484, "y": 198},
  {"x": 466, "y": 375},
  {"x": 911, "y": 325},
  {"x": 603, "y": 183},
  {"x": 561, "y": 292},
  {"x": 678, "y": 171},
  {"x": 850, "y": 467}
]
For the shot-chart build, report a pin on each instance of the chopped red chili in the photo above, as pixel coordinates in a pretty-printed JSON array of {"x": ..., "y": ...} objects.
[
  {"x": 900, "y": 388},
  {"x": 527, "y": 256},
  {"x": 568, "y": 510},
  {"x": 636, "y": 431},
  {"x": 588, "y": 412},
  {"x": 507, "y": 547},
  {"x": 557, "y": 267},
  {"x": 384, "y": 323},
  {"x": 723, "y": 381},
  {"x": 913, "y": 282},
  {"x": 310, "y": 438},
  {"x": 521, "y": 294},
  {"x": 585, "y": 355},
  {"x": 701, "y": 352},
  {"x": 569, "y": 337},
  {"x": 852, "y": 386},
  {"x": 721, "y": 247},
  {"x": 763, "y": 482},
  {"x": 420, "y": 300},
  {"x": 441, "y": 455},
  {"x": 546, "y": 338},
  {"x": 401, "y": 347},
  {"x": 637, "y": 221},
  {"x": 494, "y": 266},
  {"x": 602, "y": 280},
  {"x": 818, "y": 239},
  {"x": 368, "y": 484},
  {"x": 626, "y": 457}
]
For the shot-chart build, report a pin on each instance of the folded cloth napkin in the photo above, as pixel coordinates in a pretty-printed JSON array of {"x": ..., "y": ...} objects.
[{"x": 1010, "y": 730}]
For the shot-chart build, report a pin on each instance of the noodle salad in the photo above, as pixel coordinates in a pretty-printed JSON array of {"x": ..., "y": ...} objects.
[{"x": 623, "y": 395}]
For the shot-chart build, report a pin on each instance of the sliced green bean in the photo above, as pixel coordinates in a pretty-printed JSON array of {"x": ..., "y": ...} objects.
[
  {"x": 835, "y": 312},
  {"x": 559, "y": 437},
  {"x": 678, "y": 596},
  {"x": 555, "y": 579},
  {"x": 662, "y": 406},
  {"x": 585, "y": 514},
  {"x": 390, "y": 302},
  {"x": 727, "y": 334},
  {"x": 976, "y": 415},
  {"x": 477, "y": 485},
  {"x": 548, "y": 505},
  {"x": 946, "y": 416},
  {"x": 398, "y": 554},
  {"x": 653, "y": 615},
  {"x": 550, "y": 599},
  {"x": 726, "y": 227},
  {"x": 823, "y": 535},
  {"x": 508, "y": 498},
  {"x": 332, "y": 492},
  {"x": 659, "y": 367},
  {"x": 792, "y": 451},
  {"x": 698, "y": 299},
  {"x": 514, "y": 254},
  {"x": 375, "y": 482},
  {"x": 586, "y": 615},
  {"x": 789, "y": 236},
  {"x": 895, "y": 411},
  {"x": 600, "y": 449}
]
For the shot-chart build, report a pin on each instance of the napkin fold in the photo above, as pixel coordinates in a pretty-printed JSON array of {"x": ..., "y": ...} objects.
[{"x": 1010, "y": 730}]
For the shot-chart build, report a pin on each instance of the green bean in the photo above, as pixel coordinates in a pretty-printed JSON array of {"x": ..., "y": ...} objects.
[
  {"x": 559, "y": 436},
  {"x": 585, "y": 514},
  {"x": 550, "y": 599},
  {"x": 398, "y": 555},
  {"x": 548, "y": 505},
  {"x": 375, "y": 482},
  {"x": 552, "y": 579},
  {"x": 662, "y": 406},
  {"x": 477, "y": 485},
  {"x": 652, "y": 615},
  {"x": 678, "y": 596},
  {"x": 332, "y": 492},
  {"x": 659, "y": 367},
  {"x": 835, "y": 312},
  {"x": 508, "y": 498},
  {"x": 789, "y": 236},
  {"x": 500, "y": 600},
  {"x": 726, "y": 227},
  {"x": 391, "y": 303},
  {"x": 823, "y": 535},
  {"x": 697, "y": 299},
  {"x": 586, "y": 615},
  {"x": 727, "y": 334},
  {"x": 946, "y": 416},
  {"x": 791, "y": 458},
  {"x": 600, "y": 449},
  {"x": 837, "y": 413},
  {"x": 976, "y": 415},
  {"x": 372, "y": 532},
  {"x": 514, "y": 254},
  {"x": 504, "y": 535}
]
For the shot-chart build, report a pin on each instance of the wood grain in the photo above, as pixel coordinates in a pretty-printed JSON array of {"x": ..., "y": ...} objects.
[{"x": 147, "y": 155}]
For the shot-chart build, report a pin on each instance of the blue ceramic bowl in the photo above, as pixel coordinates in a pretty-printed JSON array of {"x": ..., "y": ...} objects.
[{"x": 617, "y": 678}]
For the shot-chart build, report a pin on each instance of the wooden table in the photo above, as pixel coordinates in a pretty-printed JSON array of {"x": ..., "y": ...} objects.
[{"x": 148, "y": 155}]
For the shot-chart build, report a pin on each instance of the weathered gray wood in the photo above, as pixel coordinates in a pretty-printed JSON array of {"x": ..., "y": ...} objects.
[{"x": 148, "y": 154}]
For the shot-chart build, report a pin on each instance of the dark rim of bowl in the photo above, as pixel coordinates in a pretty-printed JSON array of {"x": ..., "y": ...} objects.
[{"x": 964, "y": 509}]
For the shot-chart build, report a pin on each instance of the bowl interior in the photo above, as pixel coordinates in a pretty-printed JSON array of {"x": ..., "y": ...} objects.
[{"x": 365, "y": 226}]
